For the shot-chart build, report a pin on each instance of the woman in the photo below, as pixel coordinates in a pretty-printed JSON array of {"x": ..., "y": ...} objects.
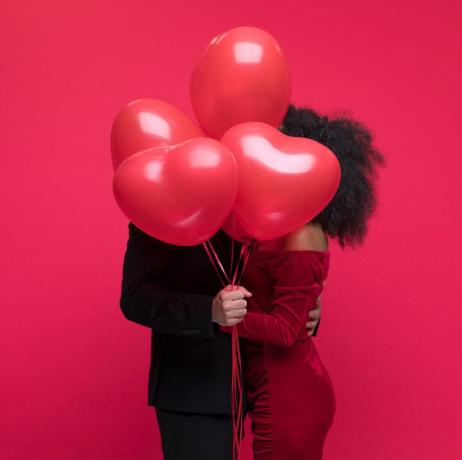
[{"x": 290, "y": 394}]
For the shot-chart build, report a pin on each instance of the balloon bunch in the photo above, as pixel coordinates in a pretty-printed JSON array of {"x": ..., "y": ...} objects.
[{"x": 180, "y": 183}]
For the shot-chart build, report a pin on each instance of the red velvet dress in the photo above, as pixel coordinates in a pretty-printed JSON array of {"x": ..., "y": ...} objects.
[{"x": 290, "y": 394}]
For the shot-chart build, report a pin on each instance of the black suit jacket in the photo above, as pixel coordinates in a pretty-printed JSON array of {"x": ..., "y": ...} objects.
[{"x": 170, "y": 290}]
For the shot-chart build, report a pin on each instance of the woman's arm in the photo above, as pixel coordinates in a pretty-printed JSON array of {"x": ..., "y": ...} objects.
[{"x": 297, "y": 285}]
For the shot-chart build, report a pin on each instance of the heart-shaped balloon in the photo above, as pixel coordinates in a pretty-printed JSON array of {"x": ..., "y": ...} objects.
[
  {"x": 242, "y": 76},
  {"x": 284, "y": 181},
  {"x": 180, "y": 195},
  {"x": 149, "y": 123}
]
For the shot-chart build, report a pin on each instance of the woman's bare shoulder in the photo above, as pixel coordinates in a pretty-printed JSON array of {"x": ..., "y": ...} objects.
[{"x": 308, "y": 237}]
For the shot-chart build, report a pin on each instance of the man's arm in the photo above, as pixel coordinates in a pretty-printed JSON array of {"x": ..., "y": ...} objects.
[{"x": 146, "y": 301}]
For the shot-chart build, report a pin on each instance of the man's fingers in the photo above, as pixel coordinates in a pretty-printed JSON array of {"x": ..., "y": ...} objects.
[
  {"x": 229, "y": 305},
  {"x": 234, "y": 321},
  {"x": 314, "y": 314},
  {"x": 233, "y": 295},
  {"x": 245, "y": 291},
  {"x": 237, "y": 313},
  {"x": 310, "y": 324}
]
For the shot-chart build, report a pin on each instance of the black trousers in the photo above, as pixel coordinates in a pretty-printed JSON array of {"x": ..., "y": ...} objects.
[{"x": 188, "y": 436}]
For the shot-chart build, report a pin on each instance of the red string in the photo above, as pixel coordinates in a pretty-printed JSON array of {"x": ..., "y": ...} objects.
[
  {"x": 236, "y": 369},
  {"x": 237, "y": 397},
  {"x": 213, "y": 262},
  {"x": 232, "y": 247},
  {"x": 217, "y": 260},
  {"x": 247, "y": 254},
  {"x": 236, "y": 378},
  {"x": 236, "y": 270}
]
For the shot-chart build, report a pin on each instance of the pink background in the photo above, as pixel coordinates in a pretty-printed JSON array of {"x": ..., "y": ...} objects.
[{"x": 73, "y": 371}]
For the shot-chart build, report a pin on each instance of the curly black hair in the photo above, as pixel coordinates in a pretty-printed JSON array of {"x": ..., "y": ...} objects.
[{"x": 346, "y": 216}]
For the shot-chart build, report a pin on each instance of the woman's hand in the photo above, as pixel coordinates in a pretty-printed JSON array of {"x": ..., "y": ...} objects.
[{"x": 314, "y": 315}]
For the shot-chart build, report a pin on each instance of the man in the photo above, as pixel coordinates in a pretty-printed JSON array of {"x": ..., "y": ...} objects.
[{"x": 175, "y": 291}]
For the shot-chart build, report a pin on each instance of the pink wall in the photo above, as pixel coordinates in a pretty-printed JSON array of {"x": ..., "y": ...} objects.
[{"x": 73, "y": 371}]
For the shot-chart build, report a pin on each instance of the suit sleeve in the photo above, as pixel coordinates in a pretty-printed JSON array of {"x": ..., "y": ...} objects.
[
  {"x": 147, "y": 301},
  {"x": 296, "y": 288}
]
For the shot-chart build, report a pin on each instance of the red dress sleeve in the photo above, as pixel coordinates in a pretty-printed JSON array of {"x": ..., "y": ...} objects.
[{"x": 298, "y": 280}]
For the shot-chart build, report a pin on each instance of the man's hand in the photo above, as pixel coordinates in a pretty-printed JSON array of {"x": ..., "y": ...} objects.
[
  {"x": 229, "y": 306},
  {"x": 314, "y": 316}
]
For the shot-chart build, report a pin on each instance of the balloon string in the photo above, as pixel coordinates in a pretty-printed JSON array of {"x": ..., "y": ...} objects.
[
  {"x": 236, "y": 384},
  {"x": 236, "y": 270},
  {"x": 242, "y": 259},
  {"x": 247, "y": 255},
  {"x": 213, "y": 262},
  {"x": 237, "y": 397},
  {"x": 236, "y": 374},
  {"x": 236, "y": 380},
  {"x": 236, "y": 371},
  {"x": 217, "y": 259},
  {"x": 232, "y": 247}
]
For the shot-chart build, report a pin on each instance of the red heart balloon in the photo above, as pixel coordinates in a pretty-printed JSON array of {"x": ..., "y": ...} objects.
[
  {"x": 242, "y": 76},
  {"x": 284, "y": 181},
  {"x": 180, "y": 195},
  {"x": 149, "y": 123}
]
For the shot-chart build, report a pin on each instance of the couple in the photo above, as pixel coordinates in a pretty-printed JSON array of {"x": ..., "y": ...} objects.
[{"x": 175, "y": 291}]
